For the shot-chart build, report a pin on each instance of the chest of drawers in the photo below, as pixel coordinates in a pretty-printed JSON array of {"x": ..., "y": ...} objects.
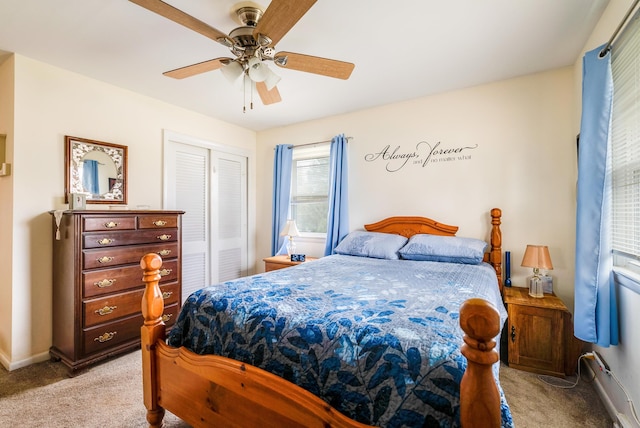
[{"x": 97, "y": 280}]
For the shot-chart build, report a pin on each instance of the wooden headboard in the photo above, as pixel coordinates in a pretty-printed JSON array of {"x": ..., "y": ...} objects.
[
  {"x": 409, "y": 226},
  {"x": 412, "y": 225}
]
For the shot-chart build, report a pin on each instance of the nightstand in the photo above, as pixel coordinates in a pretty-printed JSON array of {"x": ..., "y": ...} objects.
[
  {"x": 540, "y": 333},
  {"x": 281, "y": 262}
]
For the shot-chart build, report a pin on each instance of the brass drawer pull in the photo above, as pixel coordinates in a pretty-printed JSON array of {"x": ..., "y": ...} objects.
[
  {"x": 166, "y": 317},
  {"x": 105, "y": 259},
  {"x": 105, "y": 241},
  {"x": 106, "y": 310},
  {"x": 111, "y": 225},
  {"x": 166, "y": 294},
  {"x": 105, "y": 337},
  {"x": 165, "y": 272},
  {"x": 164, "y": 237},
  {"x": 104, "y": 283},
  {"x": 160, "y": 223},
  {"x": 164, "y": 252}
]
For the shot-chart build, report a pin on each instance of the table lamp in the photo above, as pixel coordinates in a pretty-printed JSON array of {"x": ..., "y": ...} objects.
[
  {"x": 290, "y": 231},
  {"x": 536, "y": 257}
]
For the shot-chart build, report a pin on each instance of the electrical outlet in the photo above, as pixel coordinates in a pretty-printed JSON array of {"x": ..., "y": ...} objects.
[{"x": 601, "y": 363}]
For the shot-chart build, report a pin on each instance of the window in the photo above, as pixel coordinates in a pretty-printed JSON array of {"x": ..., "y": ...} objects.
[
  {"x": 310, "y": 188},
  {"x": 625, "y": 148}
]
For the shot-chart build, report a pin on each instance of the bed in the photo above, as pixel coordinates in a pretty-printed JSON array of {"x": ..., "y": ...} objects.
[{"x": 349, "y": 340}]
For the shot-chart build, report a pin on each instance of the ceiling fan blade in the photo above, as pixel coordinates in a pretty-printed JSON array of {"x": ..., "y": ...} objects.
[
  {"x": 182, "y": 18},
  {"x": 268, "y": 96},
  {"x": 280, "y": 17},
  {"x": 314, "y": 64},
  {"x": 201, "y": 67}
]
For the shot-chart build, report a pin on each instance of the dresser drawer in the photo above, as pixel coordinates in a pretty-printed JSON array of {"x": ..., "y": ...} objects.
[
  {"x": 170, "y": 293},
  {"x": 114, "y": 239},
  {"x": 108, "y": 223},
  {"x": 100, "y": 258},
  {"x": 98, "y": 311},
  {"x": 157, "y": 221},
  {"x": 106, "y": 336},
  {"x": 170, "y": 315},
  {"x": 118, "y": 279}
]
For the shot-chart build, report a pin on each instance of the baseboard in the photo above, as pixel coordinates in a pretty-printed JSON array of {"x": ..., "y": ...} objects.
[
  {"x": 620, "y": 420},
  {"x": 14, "y": 365},
  {"x": 4, "y": 360}
]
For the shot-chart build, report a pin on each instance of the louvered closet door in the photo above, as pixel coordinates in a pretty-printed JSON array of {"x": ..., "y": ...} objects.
[
  {"x": 187, "y": 188},
  {"x": 229, "y": 220},
  {"x": 210, "y": 185}
]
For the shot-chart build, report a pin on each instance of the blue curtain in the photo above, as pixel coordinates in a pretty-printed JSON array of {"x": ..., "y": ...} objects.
[
  {"x": 281, "y": 195},
  {"x": 338, "y": 217},
  {"x": 595, "y": 312},
  {"x": 90, "y": 177}
]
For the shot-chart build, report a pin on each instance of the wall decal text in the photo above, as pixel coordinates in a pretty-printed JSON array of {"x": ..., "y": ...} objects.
[{"x": 424, "y": 154}]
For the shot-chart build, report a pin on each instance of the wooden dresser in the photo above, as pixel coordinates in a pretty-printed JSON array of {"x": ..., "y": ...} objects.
[{"x": 97, "y": 279}]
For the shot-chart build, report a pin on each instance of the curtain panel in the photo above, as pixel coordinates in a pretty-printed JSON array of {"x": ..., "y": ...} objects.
[
  {"x": 595, "y": 312},
  {"x": 282, "y": 164},
  {"x": 338, "y": 216}
]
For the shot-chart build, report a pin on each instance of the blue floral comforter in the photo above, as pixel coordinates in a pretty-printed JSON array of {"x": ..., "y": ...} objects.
[{"x": 379, "y": 340}]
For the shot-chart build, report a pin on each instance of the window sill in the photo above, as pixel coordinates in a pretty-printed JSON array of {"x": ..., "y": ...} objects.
[
  {"x": 312, "y": 238},
  {"x": 627, "y": 279}
]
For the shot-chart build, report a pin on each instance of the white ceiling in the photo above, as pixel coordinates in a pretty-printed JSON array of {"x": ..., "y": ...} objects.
[{"x": 401, "y": 49}]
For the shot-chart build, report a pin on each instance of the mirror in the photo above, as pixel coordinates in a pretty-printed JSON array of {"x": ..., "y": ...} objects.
[{"x": 95, "y": 169}]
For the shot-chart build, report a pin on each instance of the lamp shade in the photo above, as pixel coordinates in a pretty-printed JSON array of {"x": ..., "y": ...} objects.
[
  {"x": 537, "y": 257},
  {"x": 290, "y": 229},
  {"x": 232, "y": 71},
  {"x": 272, "y": 79},
  {"x": 258, "y": 71}
]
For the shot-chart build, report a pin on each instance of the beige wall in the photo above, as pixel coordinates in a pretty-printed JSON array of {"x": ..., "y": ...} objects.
[
  {"x": 524, "y": 163},
  {"x": 49, "y": 104},
  {"x": 6, "y": 195}
]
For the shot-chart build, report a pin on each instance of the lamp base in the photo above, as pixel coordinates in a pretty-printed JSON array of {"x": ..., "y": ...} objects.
[
  {"x": 536, "y": 287},
  {"x": 291, "y": 247}
]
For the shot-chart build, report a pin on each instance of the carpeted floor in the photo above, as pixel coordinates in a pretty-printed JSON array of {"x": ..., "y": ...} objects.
[{"x": 110, "y": 395}]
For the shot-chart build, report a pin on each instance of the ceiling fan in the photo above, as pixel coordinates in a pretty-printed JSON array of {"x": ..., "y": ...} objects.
[{"x": 253, "y": 44}]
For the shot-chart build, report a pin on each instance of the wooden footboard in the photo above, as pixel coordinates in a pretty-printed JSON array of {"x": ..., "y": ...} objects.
[{"x": 217, "y": 391}]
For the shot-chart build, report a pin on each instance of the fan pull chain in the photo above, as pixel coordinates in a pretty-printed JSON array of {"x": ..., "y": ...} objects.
[{"x": 244, "y": 93}]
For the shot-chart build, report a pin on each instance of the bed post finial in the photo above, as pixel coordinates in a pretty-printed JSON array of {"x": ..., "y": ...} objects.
[
  {"x": 151, "y": 331},
  {"x": 480, "y": 399},
  {"x": 495, "y": 256}
]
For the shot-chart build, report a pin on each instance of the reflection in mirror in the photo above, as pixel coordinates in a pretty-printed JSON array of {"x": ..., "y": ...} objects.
[{"x": 97, "y": 170}]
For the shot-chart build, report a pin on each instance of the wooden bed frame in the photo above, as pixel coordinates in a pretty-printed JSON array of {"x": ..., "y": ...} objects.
[{"x": 209, "y": 390}]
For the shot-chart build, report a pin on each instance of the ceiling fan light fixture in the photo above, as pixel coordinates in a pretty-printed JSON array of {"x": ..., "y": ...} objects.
[
  {"x": 258, "y": 72},
  {"x": 232, "y": 71},
  {"x": 272, "y": 79}
]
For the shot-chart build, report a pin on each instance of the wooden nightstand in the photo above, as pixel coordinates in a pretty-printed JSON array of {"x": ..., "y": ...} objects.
[
  {"x": 540, "y": 333},
  {"x": 280, "y": 262}
]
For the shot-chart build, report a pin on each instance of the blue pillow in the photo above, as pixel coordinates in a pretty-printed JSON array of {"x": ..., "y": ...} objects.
[
  {"x": 438, "y": 248},
  {"x": 371, "y": 244}
]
